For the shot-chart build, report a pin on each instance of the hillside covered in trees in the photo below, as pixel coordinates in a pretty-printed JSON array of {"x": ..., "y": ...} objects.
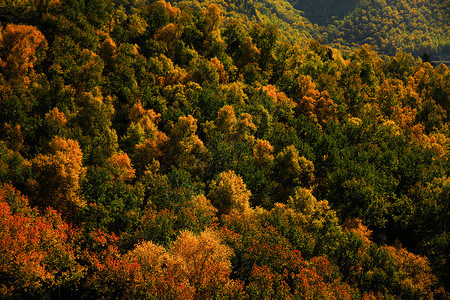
[
  {"x": 192, "y": 150},
  {"x": 413, "y": 26}
]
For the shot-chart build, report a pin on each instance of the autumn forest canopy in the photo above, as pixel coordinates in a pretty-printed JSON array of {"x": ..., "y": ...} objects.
[{"x": 224, "y": 149}]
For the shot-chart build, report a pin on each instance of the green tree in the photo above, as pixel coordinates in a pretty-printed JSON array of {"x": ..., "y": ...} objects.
[{"x": 291, "y": 170}]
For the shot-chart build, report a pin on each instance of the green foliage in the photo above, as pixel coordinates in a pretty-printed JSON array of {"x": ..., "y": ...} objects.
[
  {"x": 219, "y": 150},
  {"x": 414, "y": 26}
]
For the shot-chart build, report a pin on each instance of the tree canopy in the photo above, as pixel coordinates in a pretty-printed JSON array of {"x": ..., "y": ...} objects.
[{"x": 220, "y": 150}]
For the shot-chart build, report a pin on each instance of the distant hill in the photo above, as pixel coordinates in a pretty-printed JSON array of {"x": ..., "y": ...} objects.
[
  {"x": 414, "y": 26},
  {"x": 410, "y": 25},
  {"x": 324, "y": 12}
]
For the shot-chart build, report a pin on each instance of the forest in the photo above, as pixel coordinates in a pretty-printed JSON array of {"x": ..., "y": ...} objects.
[{"x": 223, "y": 150}]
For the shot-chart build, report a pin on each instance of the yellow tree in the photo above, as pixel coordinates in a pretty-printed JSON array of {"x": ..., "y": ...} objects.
[
  {"x": 229, "y": 193},
  {"x": 196, "y": 266},
  {"x": 120, "y": 167},
  {"x": 206, "y": 260},
  {"x": 226, "y": 122},
  {"x": 143, "y": 141},
  {"x": 57, "y": 176},
  {"x": 418, "y": 278},
  {"x": 229, "y": 128},
  {"x": 263, "y": 153},
  {"x": 55, "y": 122},
  {"x": 169, "y": 34}
]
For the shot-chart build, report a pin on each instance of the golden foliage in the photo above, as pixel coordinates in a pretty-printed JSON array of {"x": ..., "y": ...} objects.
[
  {"x": 226, "y": 120},
  {"x": 58, "y": 176},
  {"x": 417, "y": 270},
  {"x": 195, "y": 266},
  {"x": 169, "y": 34},
  {"x": 56, "y": 118},
  {"x": 120, "y": 166},
  {"x": 204, "y": 210},
  {"x": 21, "y": 43},
  {"x": 229, "y": 193},
  {"x": 151, "y": 149},
  {"x": 223, "y": 77},
  {"x": 293, "y": 167},
  {"x": 205, "y": 258},
  {"x": 185, "y": 147},
  {"x": 262, "y": 153}
]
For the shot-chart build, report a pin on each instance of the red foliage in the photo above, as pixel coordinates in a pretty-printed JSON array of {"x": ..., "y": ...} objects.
[{"x": 37, "y": 251}]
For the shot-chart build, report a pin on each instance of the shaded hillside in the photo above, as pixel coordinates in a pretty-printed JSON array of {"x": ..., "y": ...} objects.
[
  {"x": 413, "y": 26},
  {"x": 324, "y": 12}
]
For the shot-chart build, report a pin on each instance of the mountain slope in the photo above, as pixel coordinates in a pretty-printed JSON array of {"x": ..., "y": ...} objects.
[
  {"x": 413, "y": 26},
  {"x": 294, "y": 27}
]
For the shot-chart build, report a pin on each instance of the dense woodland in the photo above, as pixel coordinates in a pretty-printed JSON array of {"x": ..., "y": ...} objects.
[{"x": 156, "y": 150}]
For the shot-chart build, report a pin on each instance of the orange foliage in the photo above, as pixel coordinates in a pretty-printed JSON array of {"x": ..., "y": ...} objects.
[
  {"x": 205, "y": 259},
  {"x": 315, "y": 104},
  {"x": 356, "y": 226},
  {"x": 17, "y": 202},
  {"x": 194, "y": 267},
  {"x": 36, "y": 251},
  {"x": 273, "y": 93},
  {"x": 173, "y": 12},
  {"x": 404, "y": 116},
  {"x": 21, "y": 43},
  {"x": 169, "y": 34},
  {"x": 56, "y": 118},
  {"x": 137, "y": 112},
  {"x": 56, "y": 122},
  {"x": 120, "y": 166},
  {"x": 417, "y": 270},
  {"x": 111, "y": 273},
  {"x": 151, "y": 149}
]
